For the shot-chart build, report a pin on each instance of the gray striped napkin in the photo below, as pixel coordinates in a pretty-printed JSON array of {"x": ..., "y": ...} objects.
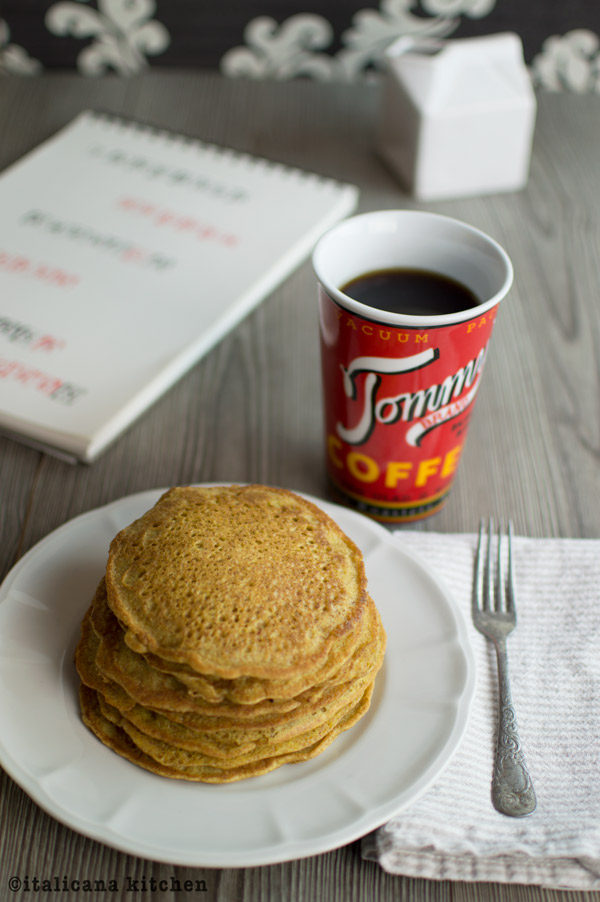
[{"x": 453, "y": 832}]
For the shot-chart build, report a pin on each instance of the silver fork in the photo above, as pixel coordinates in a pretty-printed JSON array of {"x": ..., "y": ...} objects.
[{"x": 494, "y": 615}]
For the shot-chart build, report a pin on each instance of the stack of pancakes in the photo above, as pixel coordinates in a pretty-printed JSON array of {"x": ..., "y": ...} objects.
[{"x": 232, "y": 633}]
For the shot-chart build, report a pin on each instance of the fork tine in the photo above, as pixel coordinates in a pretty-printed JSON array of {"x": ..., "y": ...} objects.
[
  {"x": 510, "y": 582},
  {"x": 499, "y": 580},
  {"x": 478, "y": 575},
  {"x": 489, "y": 586}
]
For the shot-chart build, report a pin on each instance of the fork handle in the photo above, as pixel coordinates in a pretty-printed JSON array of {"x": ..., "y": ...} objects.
[{"x": 512, "y": 789}]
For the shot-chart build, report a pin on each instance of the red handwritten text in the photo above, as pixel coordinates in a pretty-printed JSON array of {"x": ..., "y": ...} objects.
[
  {"x": 51, "y": 275},
  {"x": 53, "y": 387},
  {"x": 181, "y": 222}
]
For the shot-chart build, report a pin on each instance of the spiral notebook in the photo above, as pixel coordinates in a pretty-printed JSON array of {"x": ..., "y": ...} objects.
[{"x": 126, "y": 253}]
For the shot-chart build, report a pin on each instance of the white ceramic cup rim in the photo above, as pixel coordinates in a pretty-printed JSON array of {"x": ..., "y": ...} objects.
[{"x": 364, "y": 227}]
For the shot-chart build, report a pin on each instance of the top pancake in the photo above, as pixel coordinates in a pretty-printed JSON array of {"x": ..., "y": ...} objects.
[{"x": 236, "y": 581}]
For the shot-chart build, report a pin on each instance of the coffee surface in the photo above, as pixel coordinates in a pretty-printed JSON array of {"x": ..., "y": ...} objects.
[{"x": 414, "y": 292}]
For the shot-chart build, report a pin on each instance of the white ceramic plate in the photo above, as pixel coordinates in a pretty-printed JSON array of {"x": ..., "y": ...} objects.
[{"x": 417, "y": 718}]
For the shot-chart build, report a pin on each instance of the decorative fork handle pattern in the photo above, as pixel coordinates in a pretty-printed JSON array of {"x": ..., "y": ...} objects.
[{"x": 512, "y": 789}]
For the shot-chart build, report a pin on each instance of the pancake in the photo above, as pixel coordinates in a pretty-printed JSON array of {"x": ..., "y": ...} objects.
[
  {"x": 232, "y": 633},
  {"x": 180, "y": 757},
  {"x": 197, "y": 730},
  {"x": 236, "y": 581},
  {"x": 251, "y": 690},
  {"x": 226, "y": 742},
  {"x": 216, "y": 736},
  {"x": 113, "y": 736},
  {"x": 160, "y": 689}
]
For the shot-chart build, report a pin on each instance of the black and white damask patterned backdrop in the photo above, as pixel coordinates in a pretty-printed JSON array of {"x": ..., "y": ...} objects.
[{"x": 282, "y": 39}]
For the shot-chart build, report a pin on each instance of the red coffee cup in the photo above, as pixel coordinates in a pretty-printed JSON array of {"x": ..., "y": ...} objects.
[{"x": 399, "y": 389}]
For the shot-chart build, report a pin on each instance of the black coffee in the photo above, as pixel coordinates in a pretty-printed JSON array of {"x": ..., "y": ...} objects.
[{"x": 415, "y": 292}]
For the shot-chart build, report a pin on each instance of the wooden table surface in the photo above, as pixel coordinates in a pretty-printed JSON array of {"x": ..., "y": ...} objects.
[{"x": 250, "y": 410}]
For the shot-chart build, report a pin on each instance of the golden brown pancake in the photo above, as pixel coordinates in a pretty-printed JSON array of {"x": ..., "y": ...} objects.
[
  {"x": 119, "y": 741},
  {"x": 251, "y": 690},
  {"x": 219, "y": 737},
  {"x": 226, "y": 731},
  {"x": 157, "y": 688},
  {"x": 228, "y": 742},
  {"x": 181, "y": 757},
  {"x": 232, "y": 633},
  {"x": 236, "y": 581}
]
